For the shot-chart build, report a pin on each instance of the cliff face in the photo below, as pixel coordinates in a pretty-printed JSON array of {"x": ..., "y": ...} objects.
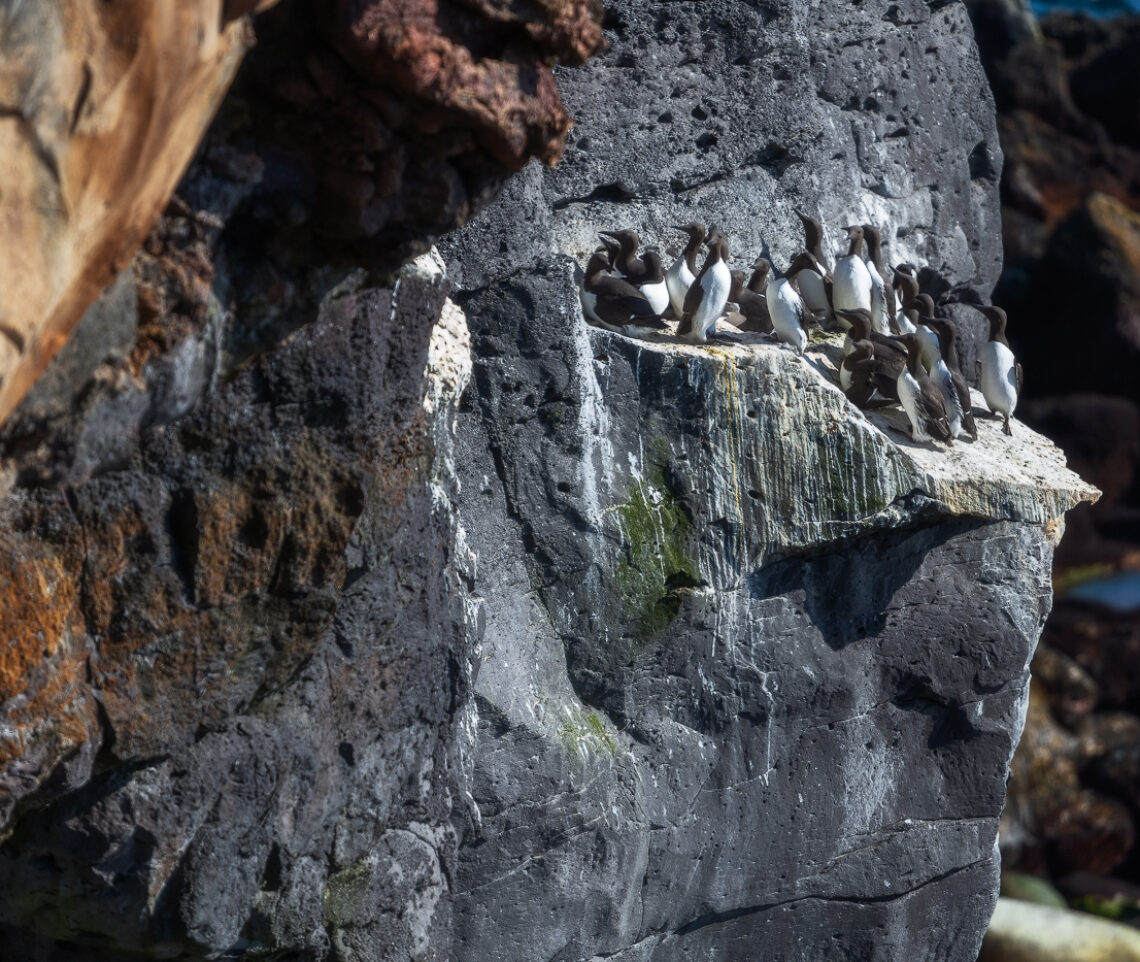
[
  {"x": 640, "y": 650},
  {"x": 754, "y": 664},
  {"x": 763, "y": 687}
]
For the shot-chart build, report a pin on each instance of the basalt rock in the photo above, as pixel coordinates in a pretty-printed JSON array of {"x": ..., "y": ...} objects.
[
  {"x": 754, "y": 664},
  {"x": 217, "y": 739}
]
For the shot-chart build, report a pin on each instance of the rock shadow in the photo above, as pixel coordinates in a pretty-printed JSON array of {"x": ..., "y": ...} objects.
[{"x": 847, "y": 588}]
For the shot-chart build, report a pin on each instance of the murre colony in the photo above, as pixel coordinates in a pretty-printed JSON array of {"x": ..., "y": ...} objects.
[{"x": 898, "y": 348}]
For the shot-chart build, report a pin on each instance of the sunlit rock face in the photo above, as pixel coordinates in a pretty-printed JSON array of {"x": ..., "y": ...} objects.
[{"x": 754, "y": 664}]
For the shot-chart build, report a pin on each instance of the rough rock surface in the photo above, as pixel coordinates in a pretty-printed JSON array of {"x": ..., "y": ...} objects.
[
  {"x": 754, "y": 665},
  {"x": 217, "y": 739},
  {"x": 356, "y": 133},
  {"x": 764, "y": 687}
]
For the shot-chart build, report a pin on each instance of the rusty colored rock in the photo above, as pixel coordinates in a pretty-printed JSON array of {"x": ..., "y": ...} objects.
[
  {"x": 101, "y": 109},
  {"x": 466, "y": 59}
]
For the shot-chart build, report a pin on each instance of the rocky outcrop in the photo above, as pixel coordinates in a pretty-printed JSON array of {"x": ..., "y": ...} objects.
[
  {"x": 754, "y": 664},
  {"x": 221, "y": 741},
  {"x": 355, "y": 135},
  {"x": 236, "y": 626},
  {"x": 764, "y": 687}
]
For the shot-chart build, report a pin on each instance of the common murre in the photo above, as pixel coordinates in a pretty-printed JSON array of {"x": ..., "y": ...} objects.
[
  {"x": 921, "y": 400},
  {"x": 612, "y": 302},
  {"x": 813, "y": 280},
  {"x": 1001, "y": 375},
  {"x": 958, "y": 401},
  {"x": 785, "y": 305},
  {"x": 866, "y": 374},
  {"x": 708, "y": 294},
  {"x": 750, "y": 298},
  {"x": 882, "y": 291},
  {"x": 680, "y": 276},
  {"x": 851, "y": 280}
]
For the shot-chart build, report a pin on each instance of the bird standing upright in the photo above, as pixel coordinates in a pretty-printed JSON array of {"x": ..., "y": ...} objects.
[{"x": 1001, "y": 375}]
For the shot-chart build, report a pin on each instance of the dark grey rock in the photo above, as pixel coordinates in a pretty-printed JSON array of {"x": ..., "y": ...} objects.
[
  {"x": 753, "y": 665},
  {"x": 737, "y": 114},
  {"x": 711, "y": 718},
  {"x": 279, "y": 693}
]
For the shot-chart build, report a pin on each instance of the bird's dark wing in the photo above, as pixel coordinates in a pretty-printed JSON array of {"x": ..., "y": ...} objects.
[
  {"x": 692, "y": 299},
  {"x": 615, "y": 287},
  {"x": 1020, "y": 378},
  {"x": 621, "y": 309}
]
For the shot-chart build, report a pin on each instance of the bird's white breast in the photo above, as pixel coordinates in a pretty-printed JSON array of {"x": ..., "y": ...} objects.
[
  {"x": 678, "y": 280},
  {"x": 812, "y": 291},
  {"x": 999, "y": 377},
  {"x": 908, "y": 394},
  {"x": 715, "y": 285},
  {"x": 784, "y": 307},
  {"x": 851, "y": 284},
  {"x": 657, "y": 295}
]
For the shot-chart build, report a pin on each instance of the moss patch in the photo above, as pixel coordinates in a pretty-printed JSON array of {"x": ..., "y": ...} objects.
[
  {"x": 656, "y": 534},
  {"x": 585, "y": 736}
]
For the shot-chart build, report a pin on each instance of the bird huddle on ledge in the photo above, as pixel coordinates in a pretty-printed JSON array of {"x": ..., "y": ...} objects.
[{"x": 897, "y": 349}]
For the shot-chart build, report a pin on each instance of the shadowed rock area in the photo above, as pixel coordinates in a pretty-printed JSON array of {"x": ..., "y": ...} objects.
[{"x": 232, "y": 600}]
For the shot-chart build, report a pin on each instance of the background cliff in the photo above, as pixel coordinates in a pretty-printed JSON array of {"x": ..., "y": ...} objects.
[
  {"x": 1067, "y": 115},
  {"x": 637, "y": 651}
]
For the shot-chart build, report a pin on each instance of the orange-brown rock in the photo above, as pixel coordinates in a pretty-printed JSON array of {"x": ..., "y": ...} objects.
[
  {"x": 463, "y": 61},
  {"x": 101, "y": 108}
]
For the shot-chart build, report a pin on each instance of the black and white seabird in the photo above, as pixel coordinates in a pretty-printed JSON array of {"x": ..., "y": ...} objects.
[
  {"x": 626, "y": 261},
  {"x": 924, "y": 305},
  {"x": 785, "y": 305},
  {"x": 921, "y": 400},
  {"x": 812, "y": 279},
  {"x": 851, "y": 281},
  {"x": 866, "y": 375},
  {"x": 1001, "y": 375},
  {"x": 652, "y": 284},
  {"x": 680, "y": 276},
  {"x": 950, "y": 380},
  {"x": 858, "y": 323},
  {"x": 708, "y": 294},
  {"x": 905, "y": 284},
  {"x": 882, "y": 291},
  {"x": 612, "y": 302}
]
